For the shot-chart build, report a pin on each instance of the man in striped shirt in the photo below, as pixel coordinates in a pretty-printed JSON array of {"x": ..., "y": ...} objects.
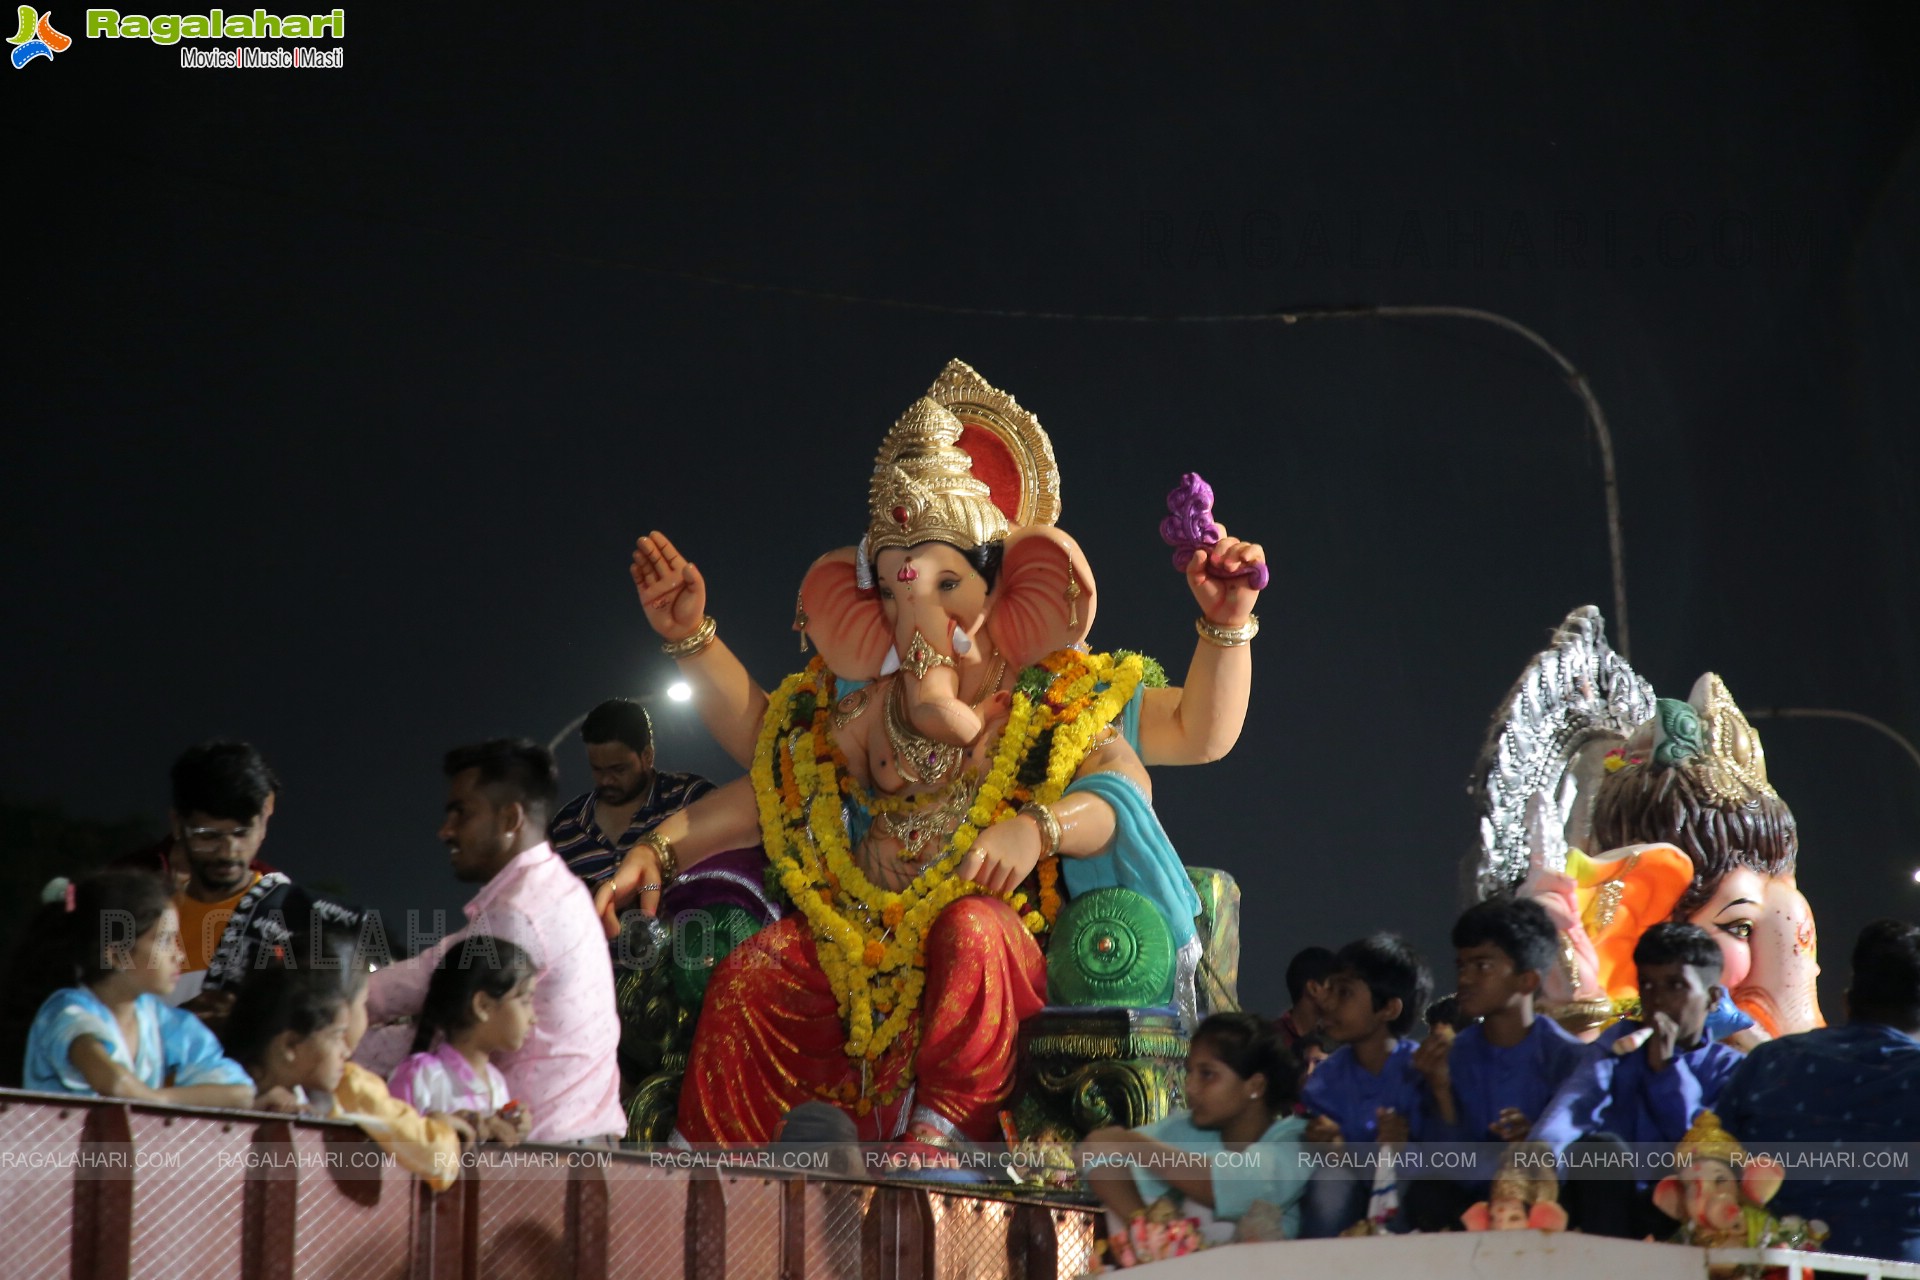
[{"x": 593, "y": 832}]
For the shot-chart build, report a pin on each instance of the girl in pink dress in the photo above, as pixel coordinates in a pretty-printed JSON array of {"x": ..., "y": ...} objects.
[{"x": 480, "y": 1002}]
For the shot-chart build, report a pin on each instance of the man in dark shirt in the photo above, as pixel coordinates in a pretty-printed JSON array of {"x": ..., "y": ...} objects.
[
  {"x": 593, "y": 832},
  {"x": 1843, "y": 1087}
]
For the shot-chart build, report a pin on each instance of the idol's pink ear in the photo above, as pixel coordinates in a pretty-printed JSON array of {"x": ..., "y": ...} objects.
[
  {"x": 1761, "y": 1179},
  {"x": 1669, "y": 1199},
  {"x": 1547, "y": 1216},
  {"x": 844, "y": 620},
  {"x": 1044, "y": 599},
  {"x": 1478, "y": 1218}
]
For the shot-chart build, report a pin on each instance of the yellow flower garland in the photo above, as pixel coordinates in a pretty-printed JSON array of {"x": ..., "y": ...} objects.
[{"x": 870, "y": 940}]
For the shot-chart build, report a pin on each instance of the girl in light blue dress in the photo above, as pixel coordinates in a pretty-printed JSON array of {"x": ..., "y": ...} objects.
[
  {"x": 1234, "y": 1154},
  {"x": 108, "y": 950}
]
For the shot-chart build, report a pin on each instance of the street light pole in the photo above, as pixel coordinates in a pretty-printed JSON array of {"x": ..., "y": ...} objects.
[
  {"x": 573, "y": 725},
  {"x": 1828, "y": 713}
]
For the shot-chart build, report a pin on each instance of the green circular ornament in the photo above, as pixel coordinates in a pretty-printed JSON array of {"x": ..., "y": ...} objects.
[{"x": 1110, "y": 947}]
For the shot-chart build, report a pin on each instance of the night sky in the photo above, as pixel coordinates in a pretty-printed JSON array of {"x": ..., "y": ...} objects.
[{"x": 337, "y": 398}]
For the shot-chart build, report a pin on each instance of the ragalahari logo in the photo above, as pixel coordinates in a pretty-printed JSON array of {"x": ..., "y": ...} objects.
[{"x": 37, "y": 38}]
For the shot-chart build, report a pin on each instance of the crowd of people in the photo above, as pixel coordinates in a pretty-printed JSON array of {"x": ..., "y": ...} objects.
[
  {"x": 1340, "y": 1069},
  {"x": 197, "y": 974}
]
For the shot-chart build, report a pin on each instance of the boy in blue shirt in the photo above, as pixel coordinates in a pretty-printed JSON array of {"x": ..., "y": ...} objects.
[
  {"x": 1489, "y": 1082},
  {"x": 1644, "y": 1081},
  {"x": 1367, "y": 1090}
]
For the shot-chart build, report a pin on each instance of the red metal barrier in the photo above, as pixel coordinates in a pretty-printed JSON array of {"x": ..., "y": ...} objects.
[
  {"x": 102, "y": 1190},
  {"x": 351, "y": 1218},
  {"x": 44, "y": 1201},
  {"x": 647, "y": 1228},
  {"x": 189, "y": 1217}
]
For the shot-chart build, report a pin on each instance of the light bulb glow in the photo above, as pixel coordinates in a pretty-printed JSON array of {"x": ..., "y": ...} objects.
[{"x": 681, "y": 691}]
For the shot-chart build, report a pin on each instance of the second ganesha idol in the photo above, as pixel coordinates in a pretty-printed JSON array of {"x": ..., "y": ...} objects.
[{"x": 1618, "y": 810}]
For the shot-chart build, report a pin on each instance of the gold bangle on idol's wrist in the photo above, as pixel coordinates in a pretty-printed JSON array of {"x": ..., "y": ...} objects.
[
  {"x": 696, "y": 643},
  {"x": 1227, "y": 637},
  {"x": 1049, "y": 825},
  {"x": 663, "y": 851}
]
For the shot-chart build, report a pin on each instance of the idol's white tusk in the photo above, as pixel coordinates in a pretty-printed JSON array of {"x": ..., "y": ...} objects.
[
  {"x": 962, "y": 644},
  {"x": 892, "y": 663}
]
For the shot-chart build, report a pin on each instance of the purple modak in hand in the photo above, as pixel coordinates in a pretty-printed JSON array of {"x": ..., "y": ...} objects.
[{"x": 1189, "y": 528}]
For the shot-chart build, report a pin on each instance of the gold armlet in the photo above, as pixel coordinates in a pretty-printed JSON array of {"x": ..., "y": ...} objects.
[
  {"x": 696, "y": 643},
  {"x": 1227, "y": 637}
]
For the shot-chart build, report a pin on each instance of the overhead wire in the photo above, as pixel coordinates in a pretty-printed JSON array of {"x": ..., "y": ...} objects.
[{"x": 1575, "y": 380}]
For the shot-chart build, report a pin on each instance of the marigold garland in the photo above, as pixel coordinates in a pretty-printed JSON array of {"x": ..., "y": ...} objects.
[{"x": 871, "y": 940}]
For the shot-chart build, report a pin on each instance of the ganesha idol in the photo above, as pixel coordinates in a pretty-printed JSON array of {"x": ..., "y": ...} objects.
[
  {"x": 952, "y": 766},
  {"x": 1674, "y": 797},
  {"x": 1719, "y": 1197}
]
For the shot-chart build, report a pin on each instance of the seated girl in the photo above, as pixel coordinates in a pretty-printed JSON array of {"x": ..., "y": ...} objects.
[
  {"x": 295, "y": 1029},
  {"x": 1240, "y": 1088},
  {"x": 288, "y": 1028},
  {"x": 106, "y": 1028},
  {"x": 478, "y": 1004}
]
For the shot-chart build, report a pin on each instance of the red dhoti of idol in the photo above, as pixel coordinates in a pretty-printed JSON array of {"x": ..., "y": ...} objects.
[{"x": 771, "y": 1036}]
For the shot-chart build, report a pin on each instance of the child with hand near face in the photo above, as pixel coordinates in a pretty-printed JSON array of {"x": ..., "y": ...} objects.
[
  {"x": 1645, "y": 1080},
  {"x": 480, "y": 1003}
]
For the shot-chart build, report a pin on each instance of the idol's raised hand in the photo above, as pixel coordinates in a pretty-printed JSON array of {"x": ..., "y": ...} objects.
[
  {"x": 1221, "y": 578},
  {"x": 671, "y": 590}
]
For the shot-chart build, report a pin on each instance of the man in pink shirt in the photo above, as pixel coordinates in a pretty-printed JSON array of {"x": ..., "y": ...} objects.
[{"x": 500, "y": 795}]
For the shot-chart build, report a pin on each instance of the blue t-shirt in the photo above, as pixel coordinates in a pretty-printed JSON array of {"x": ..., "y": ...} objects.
[
  {"x": 1270, "y": 1171},
  {"x": 1832, "y": 1087},
  {"x": 172, "y": 1043},
  {"x": 1622, "y": 1094},
  {"x": 1348, "y": 1093},
  {"x": 1487, "y": 1079}
]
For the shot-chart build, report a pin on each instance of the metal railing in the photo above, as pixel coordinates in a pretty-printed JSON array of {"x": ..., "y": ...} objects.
[
  {"x": 1802, "y": 1266},
  {"x": 104, "y": 1190},
  {"x": 101, "y": 1190}
]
